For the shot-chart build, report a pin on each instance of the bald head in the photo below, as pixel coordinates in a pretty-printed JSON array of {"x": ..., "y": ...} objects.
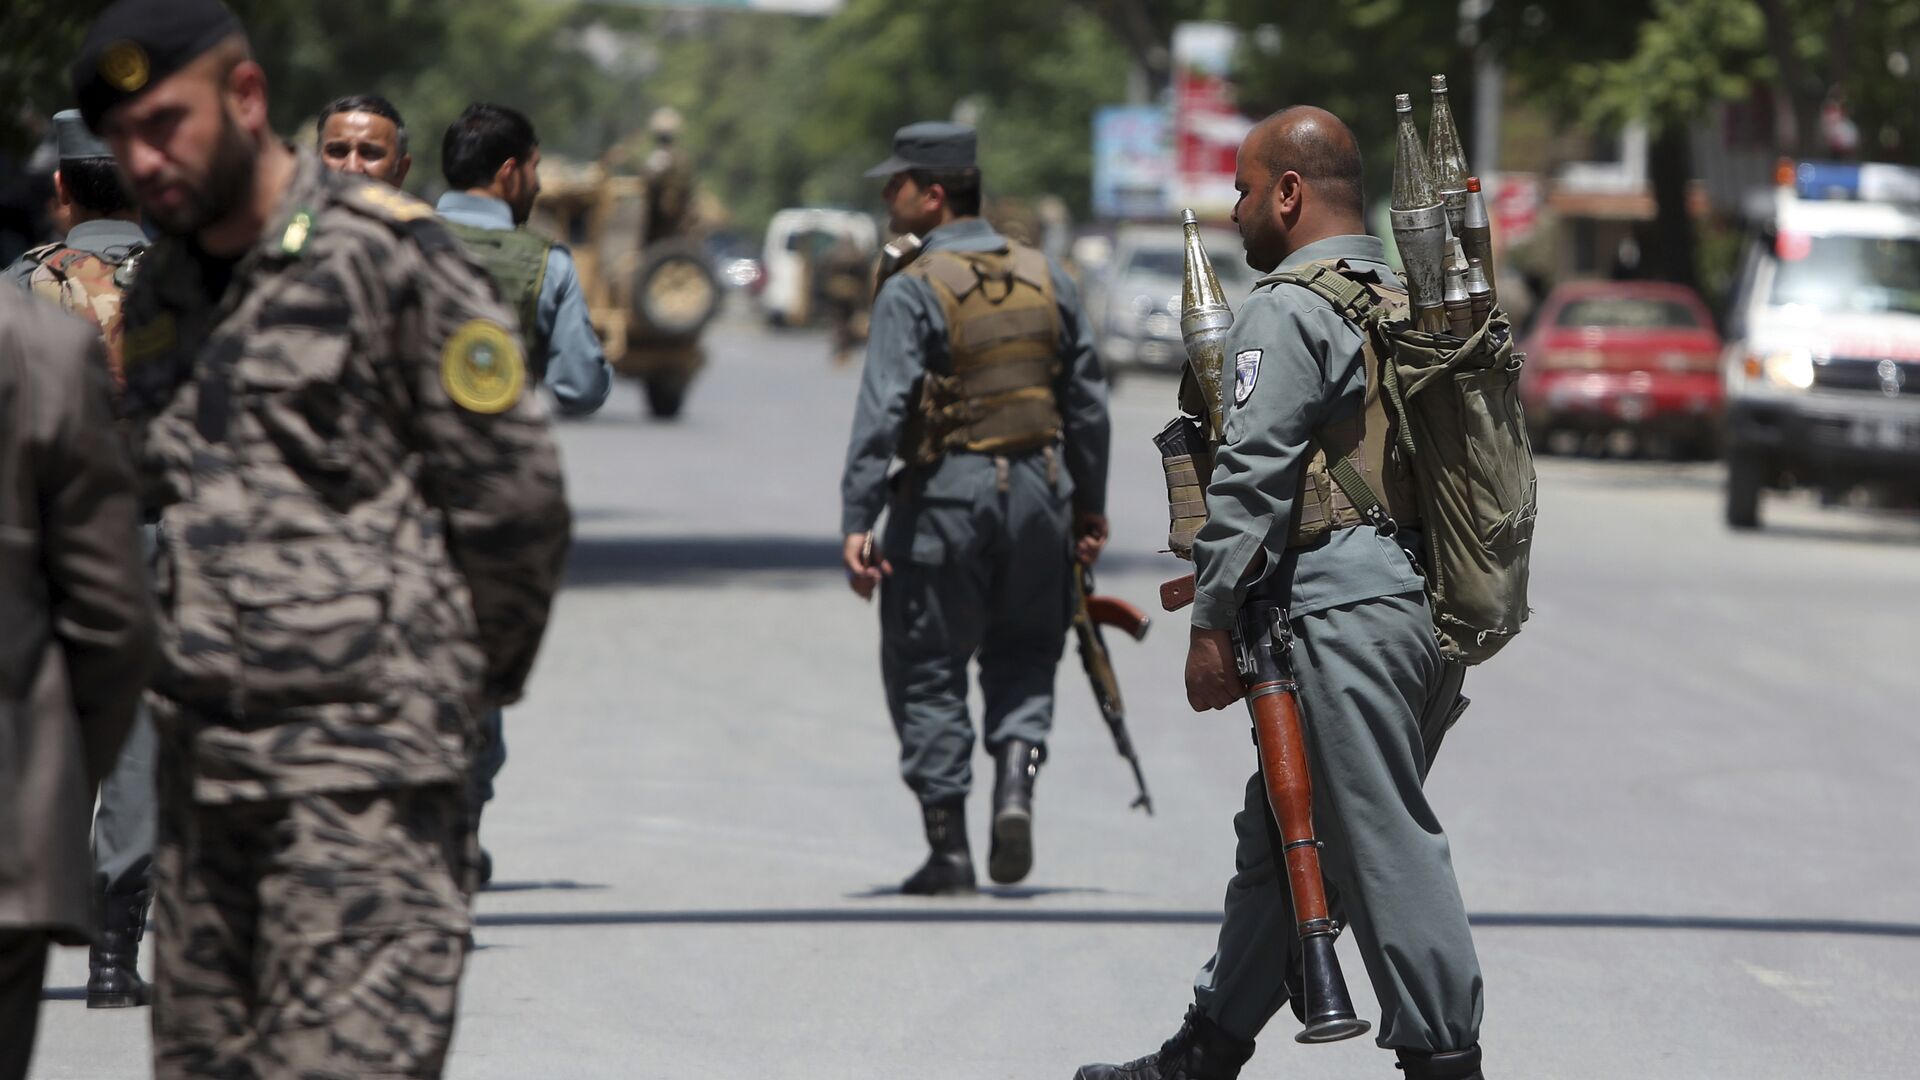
[
  {"x": 1320, "y": 147},
  {"x": 1298, "y": 175}
]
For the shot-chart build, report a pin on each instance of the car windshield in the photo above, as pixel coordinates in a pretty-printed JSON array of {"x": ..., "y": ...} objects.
[
  {"x": 1627, "y": 313},
  {"x": 1171, "y": 262},
  {"x": 1863, "y": 274}
]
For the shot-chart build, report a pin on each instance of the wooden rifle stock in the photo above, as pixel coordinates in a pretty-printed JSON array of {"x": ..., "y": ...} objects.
[
  {"x": 1265, "y": 642},
  {"x": 1117, "y": 613},
  {"x": 1177, "y": 593}
]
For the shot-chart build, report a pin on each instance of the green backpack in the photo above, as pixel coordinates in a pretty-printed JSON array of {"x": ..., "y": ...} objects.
[{"x": 1462, "y": 433}]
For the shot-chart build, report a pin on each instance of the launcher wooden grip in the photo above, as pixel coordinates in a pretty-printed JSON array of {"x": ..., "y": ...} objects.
[{"x": 1283, "y": 764}]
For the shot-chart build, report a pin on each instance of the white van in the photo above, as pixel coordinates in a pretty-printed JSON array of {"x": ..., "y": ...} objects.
[
  {"x": 795, "y": 236},
  {"x": 1823, "y": 350}
]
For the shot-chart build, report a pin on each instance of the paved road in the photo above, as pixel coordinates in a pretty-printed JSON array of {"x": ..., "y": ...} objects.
[{"x": 1682, "y": 804}]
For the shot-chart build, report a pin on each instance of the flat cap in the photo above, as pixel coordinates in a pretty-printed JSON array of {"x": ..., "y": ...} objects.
[
  {"x": 136, "y": 43},
  {"x": 930, "y": 144},
  {"x": 75, "y": 141}
]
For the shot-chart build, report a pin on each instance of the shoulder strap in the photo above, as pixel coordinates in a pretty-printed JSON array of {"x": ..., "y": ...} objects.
[
  {"x": 1030, "y": 266},
  {"x": 1353, "y": 300},
  {"x": 950, "y": 270}
]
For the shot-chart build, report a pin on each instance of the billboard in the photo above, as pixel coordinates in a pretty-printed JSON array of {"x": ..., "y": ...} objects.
[
  {"x": 1132, "y": 161},
  {"x": 1207, "y": 128}
]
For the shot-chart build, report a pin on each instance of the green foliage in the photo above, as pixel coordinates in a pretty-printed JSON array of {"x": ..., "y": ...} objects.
[
  {"x": 38, "y": 39},
  {"x": 784, "y": 111},
  {"x": 1351, "y": 59}
]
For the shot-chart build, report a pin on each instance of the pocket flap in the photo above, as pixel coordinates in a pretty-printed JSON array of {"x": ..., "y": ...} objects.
[{"x": 263, "y": 575}]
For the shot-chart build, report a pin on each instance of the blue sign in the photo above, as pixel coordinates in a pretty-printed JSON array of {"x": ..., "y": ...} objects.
[{"x": 1132, "y": 161}]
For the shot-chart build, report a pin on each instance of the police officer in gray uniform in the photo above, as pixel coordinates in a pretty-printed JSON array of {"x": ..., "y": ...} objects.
[
  {"x": 101, "y": 218},
  {"x": 104, "y": 224},
  {"x": 981, "y": 378},
  {"x": 1375, "y": 694}
]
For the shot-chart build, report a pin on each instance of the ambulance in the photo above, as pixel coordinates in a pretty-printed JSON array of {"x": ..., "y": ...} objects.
[{"x": 1822, "y": 362}]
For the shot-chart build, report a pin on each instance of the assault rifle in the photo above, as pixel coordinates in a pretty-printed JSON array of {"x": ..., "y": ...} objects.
[{"x": 1090, "y": 613}]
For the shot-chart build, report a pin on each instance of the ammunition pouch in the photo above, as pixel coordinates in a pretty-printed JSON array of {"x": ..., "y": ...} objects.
[{"x": 1003, "y": 333}]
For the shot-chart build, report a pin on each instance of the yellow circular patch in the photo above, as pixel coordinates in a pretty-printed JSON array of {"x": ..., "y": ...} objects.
[
  {"x": 481, "y": 367},
  {"x": 124, "y": 66}
]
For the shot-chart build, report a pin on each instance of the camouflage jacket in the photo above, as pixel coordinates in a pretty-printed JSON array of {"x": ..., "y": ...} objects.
[{"x": 361, "y": 511}]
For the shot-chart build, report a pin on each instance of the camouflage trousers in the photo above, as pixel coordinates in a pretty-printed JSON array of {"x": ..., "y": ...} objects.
[{"x": 316, "y": 937}]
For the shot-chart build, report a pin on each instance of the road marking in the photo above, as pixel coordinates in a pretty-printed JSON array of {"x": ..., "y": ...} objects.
[{"x": 1812, "y": 993}]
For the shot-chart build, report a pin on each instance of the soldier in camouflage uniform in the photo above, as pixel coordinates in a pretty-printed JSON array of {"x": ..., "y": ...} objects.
[
  {"x": 87, "y": 272},
  {"x": 361, "y": 528}
]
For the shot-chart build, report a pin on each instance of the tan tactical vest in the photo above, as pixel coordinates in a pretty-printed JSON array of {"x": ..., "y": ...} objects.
[
  {"x": 1363, "y": 443},
  {"x": 1003, "y": 335},
  {"x": 90, "y": 286}
]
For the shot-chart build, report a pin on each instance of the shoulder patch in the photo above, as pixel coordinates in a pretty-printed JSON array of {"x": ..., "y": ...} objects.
[
  {"x": 381, "y": 200},
  {"x": 481, "y": 367},
  {"x": 1246, "y": 372}
]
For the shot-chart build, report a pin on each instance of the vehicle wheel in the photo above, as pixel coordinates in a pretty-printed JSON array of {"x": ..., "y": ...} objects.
[
  {"x": 665, "y": 398},
  {"x": 1744, "y": 481},
  {"x": 675, "y": 292}
]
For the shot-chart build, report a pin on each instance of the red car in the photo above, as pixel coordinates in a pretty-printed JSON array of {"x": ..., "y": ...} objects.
[{"x": 1628, "y": 363}]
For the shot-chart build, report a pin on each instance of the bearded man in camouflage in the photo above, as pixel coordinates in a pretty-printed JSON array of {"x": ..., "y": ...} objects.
[{"x": 361, "y": 527}]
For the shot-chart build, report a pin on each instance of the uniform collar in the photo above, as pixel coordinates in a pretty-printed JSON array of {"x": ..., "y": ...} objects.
[
  {"x": 103, "y": 235},
  {"x": 1356, "y": 246},
  {"x": 286, "y": 233},
  {"x": 483, "y": 211},
  {"x": 965, "y": 234}
]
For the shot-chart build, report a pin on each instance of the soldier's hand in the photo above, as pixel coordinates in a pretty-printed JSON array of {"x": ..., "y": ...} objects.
[
  {"x": 1213, "y": 680},
  {"x": 1089, "y": 536},
  {"x": 863, "y": 570}
]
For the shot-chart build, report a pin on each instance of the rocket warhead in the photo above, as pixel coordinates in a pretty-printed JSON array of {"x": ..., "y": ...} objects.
[
  {"x": 1205, "y": 321},
  {"x": 1447, "y": 163},
  {"x": 1412, "y": 187}
]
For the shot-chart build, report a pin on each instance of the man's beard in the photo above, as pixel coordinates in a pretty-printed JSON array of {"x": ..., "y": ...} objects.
[
  {"x": 1256, "y": 236},
  {"x": 228, "y": 184}
]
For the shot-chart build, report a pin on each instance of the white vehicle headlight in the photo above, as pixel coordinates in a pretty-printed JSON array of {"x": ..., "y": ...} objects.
[{"x": 1792, "y": 368}]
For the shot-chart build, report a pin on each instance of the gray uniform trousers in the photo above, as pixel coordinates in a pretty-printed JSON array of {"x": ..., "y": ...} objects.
[
  {"x": 1375, "y": 698},
  {"x": 123, "y": 825},
  {"x": 979, "y": 568},
  {"x": 125, "y": 821}
]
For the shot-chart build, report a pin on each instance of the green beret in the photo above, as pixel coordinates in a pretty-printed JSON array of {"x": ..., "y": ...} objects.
[{"x": 136, "y": 43}]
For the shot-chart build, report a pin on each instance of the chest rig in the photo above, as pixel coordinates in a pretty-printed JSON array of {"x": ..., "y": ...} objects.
[
  {"x": 1355, "y": 474},
  {"x": 1003, "y": 334}
]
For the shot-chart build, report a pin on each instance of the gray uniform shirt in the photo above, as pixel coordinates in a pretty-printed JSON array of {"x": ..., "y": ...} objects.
[
  {"x": 577, "y": 371},
  {"x": 100, "y": 237},
  {"x": 1309, "y": 372},
  {"x": 909, "y": 338}
]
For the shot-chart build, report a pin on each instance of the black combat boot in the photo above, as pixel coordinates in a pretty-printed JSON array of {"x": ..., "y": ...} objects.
[
  {"x": 949, "y": 867},
  {"x": 1010, "y": 856},
  {"x": 112, "y": 981},
  {"x": 1198, "y": 1051},
  {"x": 1452, "y": 1065}
]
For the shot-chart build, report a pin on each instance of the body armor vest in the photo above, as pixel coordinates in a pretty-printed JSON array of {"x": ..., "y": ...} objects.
[
  {"x": 516, "y": 260},
  {"x": 88, "y": 285},
  {"x": 1003, "y": 339}
]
